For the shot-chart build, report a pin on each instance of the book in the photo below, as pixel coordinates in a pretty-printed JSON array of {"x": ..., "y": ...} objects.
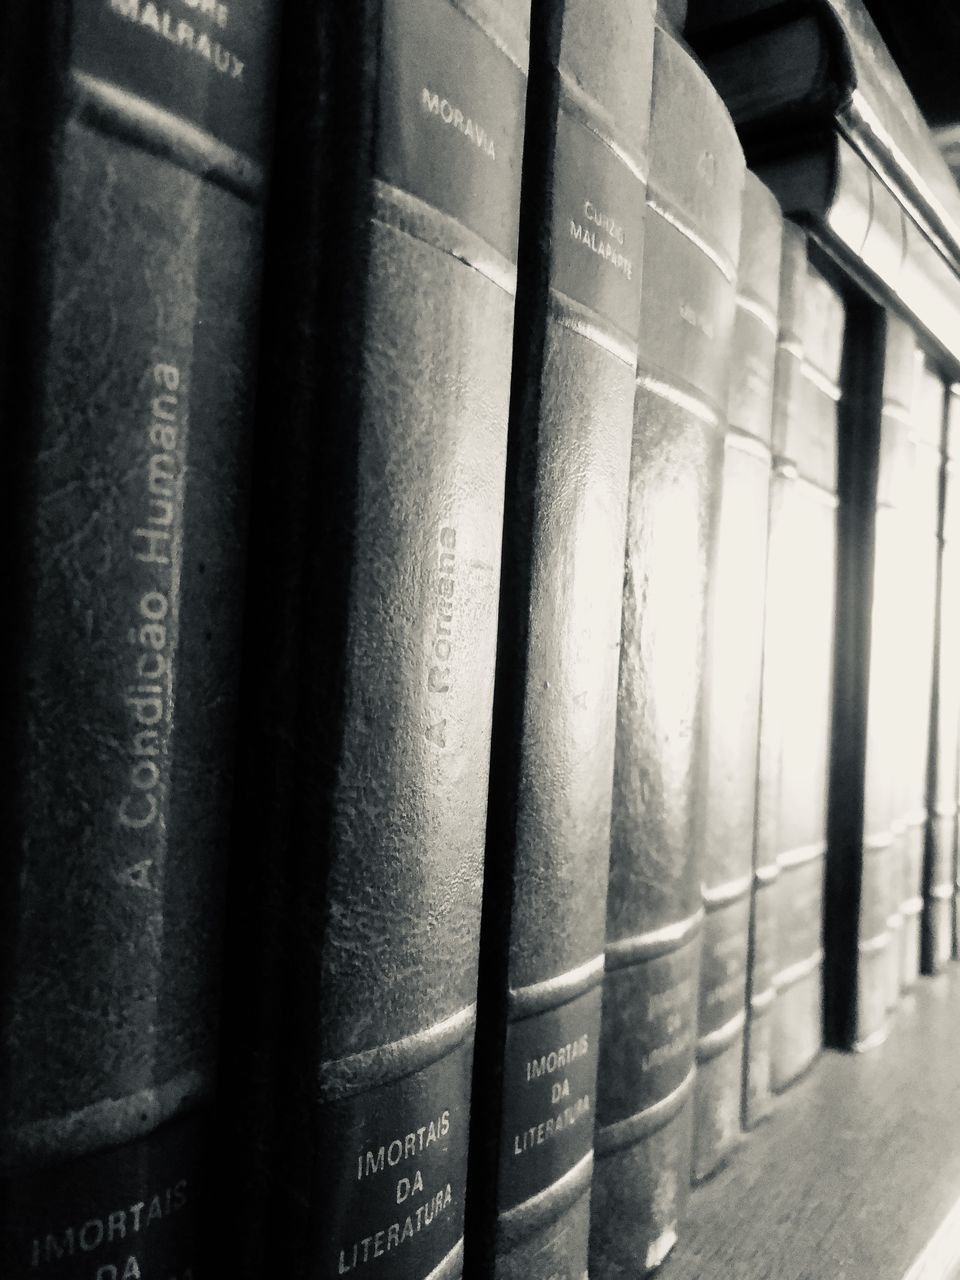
[
  {"x": 132, "y": 235},
  {"x": 786, "y": 420},
  {"x": 654, "y": 908},
  {"x": 913, "y": 459},
  {"x": 919, "y": 615},
  {"x": 890, "y": 669},
  {"x": 375, "y": 577},
  {"x": 735, "y": 644},
  {"x": 951, "y": 453},
  {"x": 798, "y": 673},
  {"x": 828, "y": 186},
  {"x": 939, "y": 875},
  {"x": 568, "y": 464},
  {"x": 786, "y": 69}
]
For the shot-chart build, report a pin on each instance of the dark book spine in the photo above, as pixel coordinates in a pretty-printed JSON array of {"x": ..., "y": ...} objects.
[
  {"x": 787, "y": 412},
  {"x": 939, "y": 874},
  {"x": 805, "y": 568},
  {"x": 126, "y": 401},
  {"x": 548, "y": 834},
  {"x": 654, "y": 907},
  {"x": 855, "y": 1004},
  {"x": 735, "y": 642},
  {"x": 375, "y": 579}
]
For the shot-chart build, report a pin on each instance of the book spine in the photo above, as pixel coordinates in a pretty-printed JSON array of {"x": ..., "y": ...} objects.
[
  {"x": 904, "y": 483},
  {"x": 939, "y": 875},
  {"x": 654, "y": 908},
  {"x": 884, "y": 828},
  {"x": 805, "y": 555},
  {"x": 374, "y": 620},
  {"x": 920, "y": 568},
  {"x": 127, "y": 401},
  {"x": 952, "y": 452},
  {"x": 548, "y": 830},
  {"x": 735, "y": 643},
  {"x": 787, "y": 413}
]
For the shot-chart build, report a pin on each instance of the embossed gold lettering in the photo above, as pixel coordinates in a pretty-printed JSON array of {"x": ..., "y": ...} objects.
[
  {"x": 181, "y": 34},
  {"x": 537, "y": 1134},
  {"x": 603, "y": 248},
  {"x": 395, "y": 1234},
  {"x": 550, "y": 1062},
  {"x": 438, "y": 673},
  {"x": 389, "y": 1154},
  {"x": 452, "y": 115},
  {"x": 117, "y": 1224}
]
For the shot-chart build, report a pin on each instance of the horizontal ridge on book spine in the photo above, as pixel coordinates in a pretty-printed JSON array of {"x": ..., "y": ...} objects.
[
  {"x": 548, "y": 827},
  {"x": 130, "y": 387},
  {"x": 392, "y": 324},
  {"x": 735, "y": 650},
  {"x": 654, "y": 918}
]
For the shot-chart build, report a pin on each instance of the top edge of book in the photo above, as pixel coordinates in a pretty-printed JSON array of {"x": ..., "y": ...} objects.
[
  {"x": 840, "y": 68},
  {"x": 197, "y": 68}
]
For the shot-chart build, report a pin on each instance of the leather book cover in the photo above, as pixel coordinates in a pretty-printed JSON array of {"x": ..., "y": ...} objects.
[
  {"x": 827, "y": 183},
  {"x": 798, "y": 671},
  {"x": 889, "y": 676},
  {"x": 568, "y": 466},
  {"x": 378, "y": 510},
  {"x": 909, "y": 498},
  {"x": 735, "y": 645},
  {"x": 654, "y": 907},
  {"x": 939, "y": 875},
  {"x": 918, "y": 621},
  {"x": 786, "y": 68},
  {"x": 951, "y": 454},
  {"x": 786, "y": 410},
  {"x": 132, "y": 238}
]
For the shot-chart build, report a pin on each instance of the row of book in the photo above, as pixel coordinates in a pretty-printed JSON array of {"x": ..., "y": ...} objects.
[{"x": 454, "y": 736}]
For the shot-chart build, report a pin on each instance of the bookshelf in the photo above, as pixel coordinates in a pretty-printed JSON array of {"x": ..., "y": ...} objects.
[{"x": 854, "y": 1173}]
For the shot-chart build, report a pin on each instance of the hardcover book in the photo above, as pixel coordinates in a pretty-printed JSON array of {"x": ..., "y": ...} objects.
[
  {"x": 939, "y": 875},
  {"x": 786, "y": 68},
  {"x": 891, "y": 668},
  {"x": 798, "y": 673},
  {"x": 548, "y": 831},
  {"x": 131, "y": 226},
  {"x": 918, "y": 617},
  {"x": 735, "y": 642},
  {"x": 787, "y": 410},
  {"x": 914, "y": 449},
  {"x": 654, "y": 906},
  {"x": 373, "y": 617}
]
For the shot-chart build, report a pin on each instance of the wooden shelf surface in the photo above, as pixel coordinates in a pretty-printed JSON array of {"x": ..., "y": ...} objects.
[{"x": 855, "y": 1173}]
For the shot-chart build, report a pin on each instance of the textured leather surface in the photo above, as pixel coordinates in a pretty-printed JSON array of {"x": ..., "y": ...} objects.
[
  {"x": 127, "y": 428},
  {"x": 940, "y": 875},
  {"x": 687, "y": 313},
  {"x": 578, "y": 504},
  {"x": 735, "y": 642},
  {"x": 807, "y": 544},
  {"x": 410, "y": 807},
  {"x": 786, "y": 416},
  {"x": 552, "y": 762},
  {"x": 380, "y": 511},
  {"x": 900, "y": 684},
  {"x": 115, "y": 992}
]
